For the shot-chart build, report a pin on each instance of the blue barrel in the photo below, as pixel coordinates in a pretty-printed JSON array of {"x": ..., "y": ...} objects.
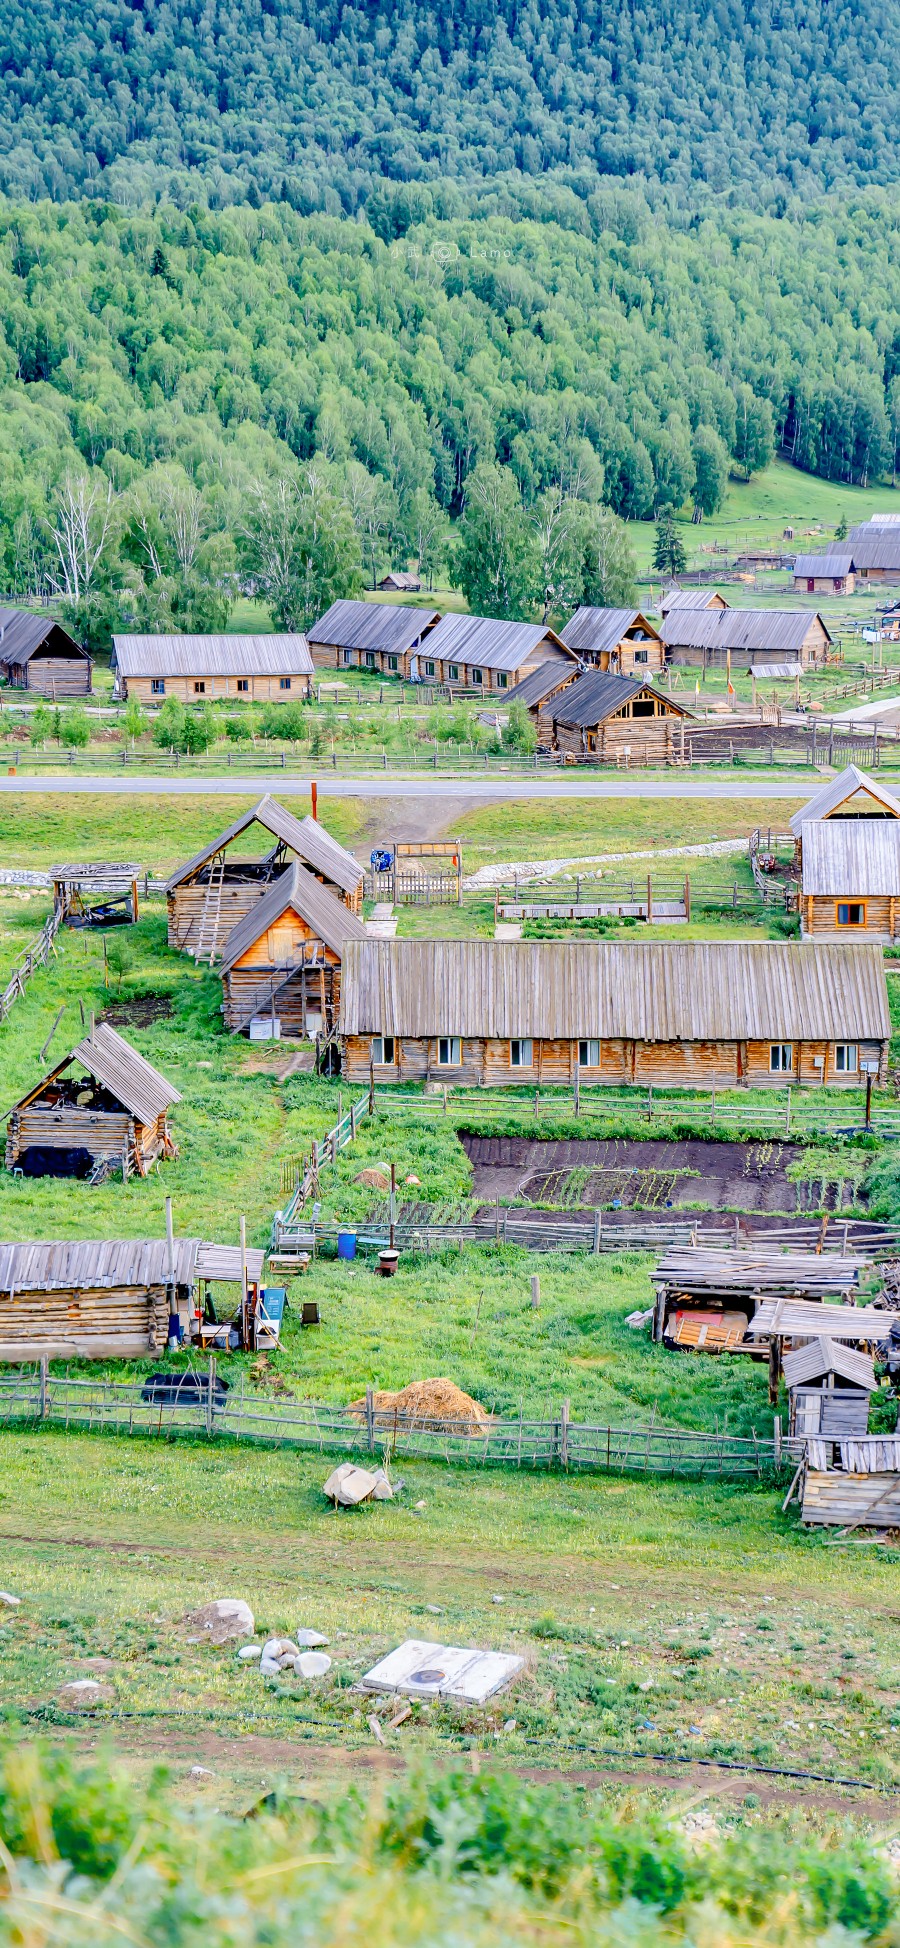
[{"x": 346, "y": 1244}]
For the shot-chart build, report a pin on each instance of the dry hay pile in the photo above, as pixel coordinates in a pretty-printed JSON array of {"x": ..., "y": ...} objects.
[
  {"x": 373, "y": 1179},
  {"x": 439, "y": 1404}
]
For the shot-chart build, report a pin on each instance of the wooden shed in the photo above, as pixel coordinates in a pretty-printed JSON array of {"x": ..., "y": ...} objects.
[
  {"x": 852, "y": 794},
  {"x": 384, "y": 637},
  {"x": 482, "y": 653},
  {"x": 739, "y": 1300},
  {"x": 829, "y": 1385},
  {"x": 744, "y": 639},
  {"x": 620, "y": 640},
  {"x": 37, "y": 654},
  {"x": 876, "y": 550},
  {"x": 281, "y": 964},
  {"x": 690, "y": 598},
  {"x": 609, "y": 717},
  {"x": 103, "y": 1102},
  {"x": 833, "y": 573},
  {"x": 692, "y": 1013},
  {"x": 850, "y": 879},
  {"x": 209, "y": 895},
  {"x": 107, "y": 1298},
  {"x": 539, "y": 692},
  {"x": 197, "y": 669}
]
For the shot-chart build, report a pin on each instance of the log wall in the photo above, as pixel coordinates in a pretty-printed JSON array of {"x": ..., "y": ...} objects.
[
  {"x": 818, "y": 915},
  {"x": 58, "y": 676},
  {"x": 689, "y": 1065},
  {"x": 87, "y": 1323},
  {"x": 263, "y": 689},
  {"x": 312, "y": 990},
  {"x": 104, "y": 1133}
]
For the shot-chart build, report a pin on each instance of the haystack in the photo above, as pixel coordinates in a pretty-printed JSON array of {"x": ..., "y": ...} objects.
[
  {"x": 439, "y": 1403},
  {"x": 373, "y": 1179}
]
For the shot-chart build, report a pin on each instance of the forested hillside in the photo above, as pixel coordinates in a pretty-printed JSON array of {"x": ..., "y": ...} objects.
[{"x": 317, "y": 101}]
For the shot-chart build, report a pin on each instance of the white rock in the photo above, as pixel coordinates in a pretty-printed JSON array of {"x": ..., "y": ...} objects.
[
  {"x": 312, "y": 1663},
  {"x": 497, "y": 1599},
  {"x": 249, "y": 1651},
  {"x": 310, "y": 1639},
  {"x": 83, "y": 1690},
  {"x": 12, "y": 1602},
  {"x": 269, "y": 1668},
  {"x": 200, "y": 1772},
  {"x": 226, "y": 1617}
]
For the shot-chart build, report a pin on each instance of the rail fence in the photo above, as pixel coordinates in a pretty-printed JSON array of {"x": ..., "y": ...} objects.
[
  {"x": 28, "y": 961},
  {"x": 33, "y": 1395},
  {"x": 596, "y": 1231},
  {"x": 791, "y": 1113},
  {"x": 300, "y": 1175}
]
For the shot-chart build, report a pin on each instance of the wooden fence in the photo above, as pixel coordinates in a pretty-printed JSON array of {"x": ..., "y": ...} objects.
[
  {"x": 595, "y": 1231},
  {"x": 787, "y": 1113},
  {"x": 773, "y": 889},
  {"x": 31, "y": 1395},
  {"x": 29, "y": 960},
  {"x": 300, "y": 1175}
]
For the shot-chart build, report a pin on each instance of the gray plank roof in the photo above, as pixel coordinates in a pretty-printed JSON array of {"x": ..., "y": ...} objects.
[
  {"x": 752, "y": 629},
  {"x": 852, "y": 857},
  {"x": 540, "y": 684},
  {"x": 875, "y": 548},
  {"x": 108, "y": 1263},
  {"x": 373, "y": 625},
  {"x": 329, "y": 919},
  {"x": 690, "y": 598},
  {"x": 842, "y": 790},
  {"x": 304, "y": 836},
  {"x": 200, "y": 656},
  {"x": 599, "y": 694},
  {"x": 594, "y": 631},
  {"x": 655, "y": 991},
  {"x": 112, "y": 1061},
  {"x": 488, "y": 642},
  {"x": 826, "y": 1355},
  {"x": 22, "y": 635},
  {"x": 829, "y": 565}
]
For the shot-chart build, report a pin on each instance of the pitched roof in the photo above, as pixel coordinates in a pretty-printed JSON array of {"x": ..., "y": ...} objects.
[
  {"x": 599, "y": 694},
  {"x": 875, "y": 548},
  {"x": 752, "y": 629},
  {"x": 489, "y": 642},
  {"x": 842, "y": 790},
  {"x": 852, "y": 857},
  {"x": 372, "y": 625},
  {"x": 594, "y": 631},
  {"x": 654, "y": 991},
  {"x": 826, "y": 1355},
  {"x": 213, "y": 656},
  {"x": 22, "y": 635},
  {"x": 304, "y": 836},
  {"x": 329, "y": 919},
  {"x": 541, "y": 683},
  {"x": 127, "y": 1075},
  {"x": 690, "y": 598},
  {"x": 828, "y": 565},
  {"x": 107, "y": 1263}
]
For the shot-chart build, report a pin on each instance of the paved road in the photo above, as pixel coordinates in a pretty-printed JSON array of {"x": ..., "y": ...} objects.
[{"x": 412, "y": 786}]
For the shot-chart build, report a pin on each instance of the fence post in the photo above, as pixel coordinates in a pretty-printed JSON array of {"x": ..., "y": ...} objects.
[
  {"x": 787, "y": 1113},
  {"x": 535, "y": 1292},
  {"x": 598, "y": 1227},
  {"x": 45, "y": 1368},
  {"x": 370, "y": 1419},
  {"x": 576, "y": 1085},
  {"x": 564, "y": 1435},
  {"x": 776, "y": 1440},
  {"x": 210, "y": 1394}
]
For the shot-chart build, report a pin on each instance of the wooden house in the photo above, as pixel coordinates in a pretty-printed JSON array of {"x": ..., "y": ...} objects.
[
  {"x": 37, "y": 654},
  {"x": 850, "y": 879},
  {"x": 764, "y": 640},
  {"x": 382, "y": 637},
  {"x": 829, "y": 1385},
  {"x": 109, "y": 1298},
  {"x": 400, "y": 581},
  {"x": 214, "y": 890},
  {"x": 852, "y": 794},
  {"x": 875, "y": 546},
  {"x": 690, "y": 598},
  {"x": 619, "y": 640},
  {"x": 197, "y": 669},
  {"x": 833, "y": 573},
  {"x": 281, "y": 964},
  {"x": 102, "y": 1102},
  {"x": 481, "y": 653},
  {"x": 539, "y": 692},
  {"x": 692, "y": 1014},
  {"x": 609, "y": 717}
]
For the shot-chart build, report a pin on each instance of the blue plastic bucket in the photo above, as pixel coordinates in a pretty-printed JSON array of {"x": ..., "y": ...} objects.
[{"x": 346, "y": 1244}]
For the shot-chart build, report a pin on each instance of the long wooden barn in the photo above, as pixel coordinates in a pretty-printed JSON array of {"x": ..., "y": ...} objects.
[
  {"x": 690, "y": 1014},
  {"x": 282, "y": 962},
  {"x": 760, "y": 640},
  {"x": 215, "y": 889},
  {"x": 107, "y": 1298},
  {"x": 483, "y": 653},
  {"x": 102, "y": 1102},
  {"x": 37, "y": 654},
  {"x": 852, "y": 794},
  {"x": 196, "y": 668},
  {"x": 383, "y": 637}
]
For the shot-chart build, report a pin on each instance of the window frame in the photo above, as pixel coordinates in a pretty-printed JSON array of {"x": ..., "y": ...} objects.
[
  {"x": 369, "y": 655},
  {"x": 157, "y": 686},
  {"x": 502, "y": 680},
  {"x": 850, "y": 906},
  {"x": 452, "y": 1060},
  {"x": 243, "y": 684},
  {"x": 476, "y": 677},
  {"x": 780, "y": 1067},
  {"x": 846, "y": 1068},
  {"x": 453, "y": 672},
  {"x": 200, "y": 687},
  {"x": 518, "y": 1059},
  {"x": 429, "y": 667},
  {"x": 642, "y": 655},
  {"x": 588, "y": 1042},
  {"x": 384, "y": 1043},
  {"x": 284, "y": 683},
  {"x": 393, "y": 663}
]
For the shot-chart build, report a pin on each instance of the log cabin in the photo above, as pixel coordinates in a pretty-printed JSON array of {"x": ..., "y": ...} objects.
[
  {"x": 483, "y": 654},
  {"x": 200, "y": 669},
  {"x": 829, "y": 1386},
  {"x": 538, "y": 693},
  {"x": 833, "y": 573},
  {"x": 102, "y": 1102},
  {"x": 108, "y": 1298},
  {"x": 852, "y": 794},
  {"x": 690, "y": 598},
  {"x": 691, "y": 1014},
  {"x": 281, "y": 964},
  {"x": 605, "y": 718},
  {"x": 850, "y": 879},
  {"x": 209, "y": 895},
  {"x": 619, "y": 640},
  {"x": 383, "y": 637},
  {"x": 742, "y": 639},
  {"x": 875, "y": 547},
  {"x": 38, "y": 655}
]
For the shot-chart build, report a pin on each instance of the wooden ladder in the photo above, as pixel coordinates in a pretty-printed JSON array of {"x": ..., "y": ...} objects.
[{"x": 208, "y": 935}]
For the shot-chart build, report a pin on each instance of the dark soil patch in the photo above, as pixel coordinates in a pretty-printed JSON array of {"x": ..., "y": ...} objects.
[
  {"x": 141, "y": 1012},
  {"x": 655, "y": 1175}
]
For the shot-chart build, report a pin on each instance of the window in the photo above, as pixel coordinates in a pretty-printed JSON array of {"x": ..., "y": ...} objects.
[
  {"x": 284, "y": 683},
  {"x": 477, "y": 676},
  {"x": 781, "y": 1058},
  {"x": 501, "y": 679},
  {"x": 642, "y": 655},
  {"x": 643, "y": 707},
  {"x": 157, "y": 686},
  {"x": 383, "y": 1048},
  {"x": 449, "y": 1052},
  {"x": 851, "y": 913},
  {"x": 199, "y": 689},
  {"x": 846, "y": 1058},
  {"x": 392, "y": 662},
  {"x": 453, "y": 672},
  {"x": 589, "y": 1055},
  {"x": 521, "y": 1054},
  {"x": 243, "y": 683},
  {"x": 429, "y": 669},
  {"x": 345, "y": 656},
  {"x": 370, "y": 659}
]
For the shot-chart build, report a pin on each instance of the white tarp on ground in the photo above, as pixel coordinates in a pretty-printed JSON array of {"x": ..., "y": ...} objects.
[{"x": 425, "y": 1670}]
